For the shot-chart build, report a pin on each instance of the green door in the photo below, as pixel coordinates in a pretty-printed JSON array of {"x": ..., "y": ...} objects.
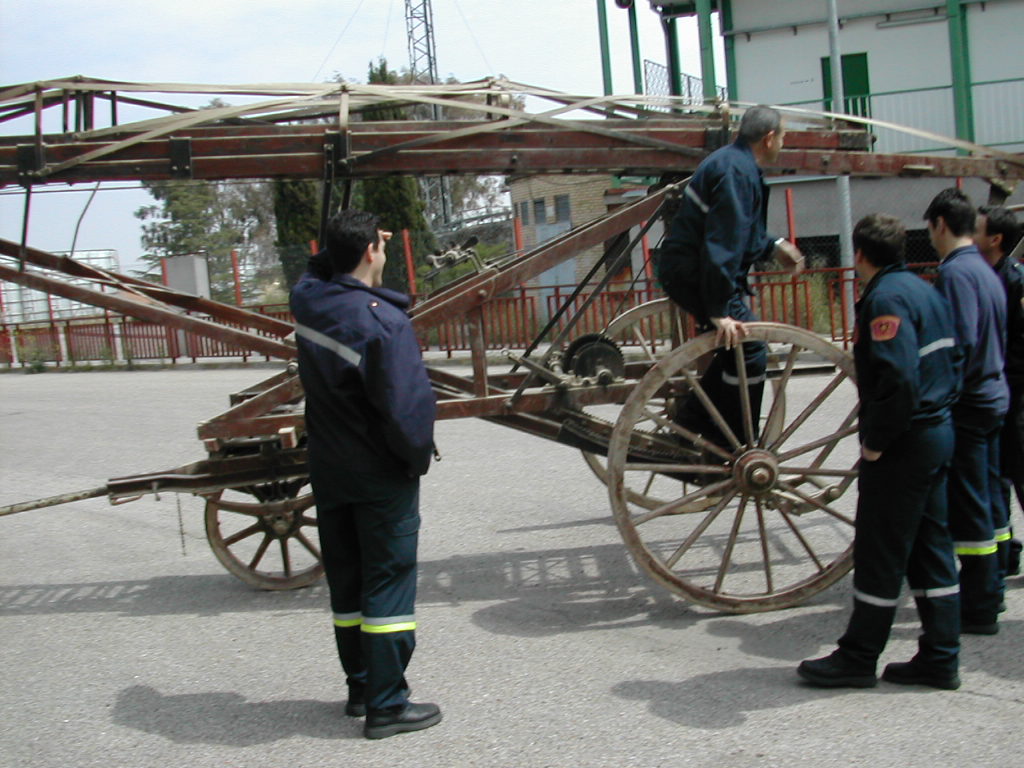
[{"x": 856, "y": 88}]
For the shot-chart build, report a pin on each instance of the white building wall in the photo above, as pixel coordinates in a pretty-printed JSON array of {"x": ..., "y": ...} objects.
[{"x": 760, "y": 13}]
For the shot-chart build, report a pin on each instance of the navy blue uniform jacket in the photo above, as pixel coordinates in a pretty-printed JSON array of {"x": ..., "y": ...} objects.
[
  {"x": 978, "y": 301},
  {"x": 908, "y": 364},
  {"x": 1011, "y": 273},
  {"x": 717, "y": 233},
  {"x": 369, "y": 403}
]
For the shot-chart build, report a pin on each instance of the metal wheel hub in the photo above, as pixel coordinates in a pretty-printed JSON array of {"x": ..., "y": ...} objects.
[
  {"x": 756, "y": 472},
  {"x": 279, "y": 524}
]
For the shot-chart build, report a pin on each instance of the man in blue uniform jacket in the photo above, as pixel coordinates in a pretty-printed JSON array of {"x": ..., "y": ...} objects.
[
  {"x": 978, "y": 302},
  {"x": 997, "y": 232},
  {"x": 714, "y": 239},
  {"x": 370, "y": 420},
  {"x": 907, "y": 378}
]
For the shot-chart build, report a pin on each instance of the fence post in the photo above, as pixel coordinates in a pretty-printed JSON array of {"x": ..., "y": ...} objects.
[
  {"x": 237, "y": 277},
  {"x": 410, "y": 267}
]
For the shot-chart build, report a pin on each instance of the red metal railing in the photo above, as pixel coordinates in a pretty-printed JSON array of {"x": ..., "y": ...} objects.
[{"x": 818, "y": 299}]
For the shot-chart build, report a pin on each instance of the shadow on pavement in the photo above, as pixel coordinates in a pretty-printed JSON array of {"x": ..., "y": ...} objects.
[{"x": 228, "y": 719}]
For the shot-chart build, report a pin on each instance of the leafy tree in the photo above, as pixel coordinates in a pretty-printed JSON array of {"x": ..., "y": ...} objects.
[
  {"x": 193, "y": 217},
  {"x": 297, "y": 211}
]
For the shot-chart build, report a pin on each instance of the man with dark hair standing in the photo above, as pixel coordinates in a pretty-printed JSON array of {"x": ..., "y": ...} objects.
[
  {"x": 979, "y": 317},
  {"x": 714, "y": 239},
  {"x": 370, "y": 415},
  {"x": 997, "y": 232},
  {"x": 907, "y": 378}
]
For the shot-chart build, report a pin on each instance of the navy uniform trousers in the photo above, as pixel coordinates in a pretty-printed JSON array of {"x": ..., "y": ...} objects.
[
  {"x": 368, "y": 544},
  {"x": 901, "y": 531},
  {"x": 977, "y": 512},
  {"x": 721, "y": 382}
]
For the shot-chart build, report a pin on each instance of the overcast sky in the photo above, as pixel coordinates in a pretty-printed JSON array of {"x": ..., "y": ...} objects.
[{"x": 549, "y": 43}]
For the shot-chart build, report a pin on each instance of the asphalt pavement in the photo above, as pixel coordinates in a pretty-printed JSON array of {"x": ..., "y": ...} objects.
[{"x": 123, "y": 642}]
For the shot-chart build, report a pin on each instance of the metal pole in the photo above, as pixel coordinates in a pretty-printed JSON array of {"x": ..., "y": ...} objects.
[
  {"x": 842, "y": 181},
  {"x": 707, "y": 56},
  {"x": 606, "y": 63},
  {"x": 634, "y": 45}
]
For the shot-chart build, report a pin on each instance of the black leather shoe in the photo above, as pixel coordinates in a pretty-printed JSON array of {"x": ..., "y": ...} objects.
[
  {"x": 833, "y": 671},
  {"x": 912, "y": 673},
  {"x": 355, "y": 706},
  {"x": 414, "y": 717},
  {"x": 980, "y": 629}
]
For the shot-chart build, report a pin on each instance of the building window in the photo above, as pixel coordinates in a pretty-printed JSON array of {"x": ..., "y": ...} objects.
[
  {"x": 562, "y": 212},
  {"x": 540, "y": 216},
  {"x": 524, "y": 211}
]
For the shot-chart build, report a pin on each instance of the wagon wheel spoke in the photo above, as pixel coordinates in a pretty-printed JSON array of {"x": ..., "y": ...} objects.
[
  {"x": 273, "y": 512},
  {"x": 744, "y": 386},
  {"x": 260, "y": 551},
  {"x": 711, "y": 409},
  {"x": 242, "y": 534},
  {"x": 777, "y": 408},
  {"x": 800, "y": 537},
  {"x": 730, "y": 544},
  {"x": 684, "y": 504},
  {"x": 690, "y": 540},
  {"x": 301, "y": 537},
  {"x": 664, "y": 422},
  {"x": 763, "y": 536},
  {"x": 286, "y": 559},
  {"x": 811, "y": 407}
]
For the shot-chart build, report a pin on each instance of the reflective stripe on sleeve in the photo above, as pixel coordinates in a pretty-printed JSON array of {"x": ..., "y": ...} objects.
[
  {"x": 348, "y": 619},
  {"x": 936, "y": 591},
  {"x": 1003, "y": 534},
  {"x": 975, "y": 547},
  {"x": 935, "y": 346},
  {"x": 692, "y": 194},
  {"x": 882, "y": 602},
  {"x": 389, "y": 624},
  {"x": 323, "y": 340}
]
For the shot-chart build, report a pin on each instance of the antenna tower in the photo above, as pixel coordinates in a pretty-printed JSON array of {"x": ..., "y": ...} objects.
[{"x": 419, "y": 24}]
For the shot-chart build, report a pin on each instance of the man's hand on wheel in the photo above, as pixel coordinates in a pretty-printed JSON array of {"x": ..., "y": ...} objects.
[{"x": 728, "y": 331}]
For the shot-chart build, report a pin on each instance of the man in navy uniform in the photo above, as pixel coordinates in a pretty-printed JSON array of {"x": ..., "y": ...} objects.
[
  {"x": 997, "y": 232},
  {"x": 714, "y": 239},
  {"x": 978, "y": 301},
  {"x": 370, "y": 419},
  {"x": 907, "y": 378}
]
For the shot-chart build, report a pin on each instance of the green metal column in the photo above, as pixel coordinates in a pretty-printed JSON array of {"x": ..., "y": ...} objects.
[
  {"x": 731, "y": 83},
  {"x": 675, "y": 69},
  {"x": 960, "y": 60},
  {"x": 606, "y": 61},
  {"x": 707, "y": 54},
  {"x": 634, "y": 46}
]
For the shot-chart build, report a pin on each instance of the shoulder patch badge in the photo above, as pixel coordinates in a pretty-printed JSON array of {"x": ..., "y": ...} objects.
[{"x": 885, "y": 327}]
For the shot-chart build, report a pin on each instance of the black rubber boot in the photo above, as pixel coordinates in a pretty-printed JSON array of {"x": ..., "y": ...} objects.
[{"x": 837, "y": 670}]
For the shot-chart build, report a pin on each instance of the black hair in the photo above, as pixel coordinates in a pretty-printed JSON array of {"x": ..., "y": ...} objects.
[
  {"x": 758, "y": 122},
  {"x": 881, "y": 238},
  {"x": 1002, "y": 221},
  {"x": 955, "y": 208},
  {"x": 349, "y": 232}
]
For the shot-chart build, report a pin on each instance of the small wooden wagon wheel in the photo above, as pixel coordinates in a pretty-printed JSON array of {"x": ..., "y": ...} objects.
[
  {"x": 762, "y": 523},
  {"x": 266, "y": 534}
]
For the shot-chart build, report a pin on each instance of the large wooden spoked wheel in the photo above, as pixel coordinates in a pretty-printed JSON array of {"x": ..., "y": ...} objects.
[
  {"x": 768, "y": 522},
  {"x": 266, "y": 535}
]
